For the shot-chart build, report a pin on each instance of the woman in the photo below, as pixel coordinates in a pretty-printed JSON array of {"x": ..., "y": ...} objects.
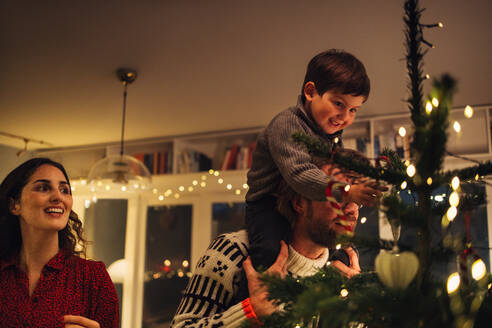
[{"x": 43, "y": 280}]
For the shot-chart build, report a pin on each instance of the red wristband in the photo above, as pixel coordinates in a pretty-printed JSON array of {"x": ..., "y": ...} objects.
[{"x": 248, "y": 311}]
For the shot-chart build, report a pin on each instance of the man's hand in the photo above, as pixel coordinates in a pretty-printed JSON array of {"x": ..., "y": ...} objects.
[
  {"x": 258, "y": 292},
  {"x": 76, "y": 321},
  {"x": 353, "y": 269}
]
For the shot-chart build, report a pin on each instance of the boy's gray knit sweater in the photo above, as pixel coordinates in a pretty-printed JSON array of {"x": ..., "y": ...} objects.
[{"x": 277, "y": 156}]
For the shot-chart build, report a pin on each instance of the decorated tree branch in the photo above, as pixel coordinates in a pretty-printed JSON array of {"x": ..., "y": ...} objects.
[{"x": 404, "y": 290}]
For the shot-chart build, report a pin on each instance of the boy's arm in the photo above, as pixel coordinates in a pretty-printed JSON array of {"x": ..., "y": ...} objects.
[
  {"x": 208, "y": 298},
  {"x": 293, "y": 161}
]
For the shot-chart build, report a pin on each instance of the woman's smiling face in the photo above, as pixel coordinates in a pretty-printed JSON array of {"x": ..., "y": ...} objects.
[{"x": 46, "y": 200}]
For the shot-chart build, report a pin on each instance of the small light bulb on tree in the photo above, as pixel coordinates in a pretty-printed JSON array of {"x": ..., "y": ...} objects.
[
  {"x": 411, "y": 170},
  {"x": 440, "y": 24},
  {"x": 455, "y": 183},
  {"x": 428, "y": 107},
  {"x": 454, "y": 199},
  {"x": 451, "y": 213},
  {"x": 363, "y": 220},
  {"x": 402, "y": 131},
  {"x": 453, "y": 282},
  {"x": 435, "y": 102},
  {"x": 403, "y": 185},
  {"x": 457, "y": 126},
  {"x": 468, "y": 111},
  {"x": 478, "y": 269},
  {"x": 429, "y": 181}
]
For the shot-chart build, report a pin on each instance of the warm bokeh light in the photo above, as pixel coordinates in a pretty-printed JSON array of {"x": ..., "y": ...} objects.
[
  {"x": 457, "y": 126},
  {"x": 453, "y": 282},
  {"x": 411, "y": 170},
  {"x": 478, "y": 269},
  {"x": 454, "y": 199},
  {"x": 402, "y": 131},
  {"x": 451, "y": 213},
  {"x": 468, "y": 111},
  {"x": 455, "y": 183}
]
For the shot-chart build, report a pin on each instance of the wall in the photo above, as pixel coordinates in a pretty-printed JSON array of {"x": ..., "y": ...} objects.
[{"x": 10, "y": 160}]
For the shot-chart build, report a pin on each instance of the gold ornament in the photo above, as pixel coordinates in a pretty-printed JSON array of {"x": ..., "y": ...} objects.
[{"x": 396, "y": 270}]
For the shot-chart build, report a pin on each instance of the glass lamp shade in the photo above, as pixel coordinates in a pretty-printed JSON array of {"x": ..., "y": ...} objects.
[{"x": 120, "y": 170}]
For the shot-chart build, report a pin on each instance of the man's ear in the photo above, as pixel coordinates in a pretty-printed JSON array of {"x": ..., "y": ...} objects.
[
  {"x": 298, "y": 204},
  {"x": 14, "y": 207},
  {"x": 310, "y": 90}
]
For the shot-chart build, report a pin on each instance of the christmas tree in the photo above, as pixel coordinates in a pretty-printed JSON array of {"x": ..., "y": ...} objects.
[{"x": 405, "y": 290}]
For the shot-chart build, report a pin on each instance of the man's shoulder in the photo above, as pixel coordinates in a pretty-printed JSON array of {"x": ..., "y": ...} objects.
[
  {"x": 226, "y": 243},
  {"x": 225, "y": 254}
]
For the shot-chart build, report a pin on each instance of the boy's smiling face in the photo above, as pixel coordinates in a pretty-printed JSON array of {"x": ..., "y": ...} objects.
[{"x": 332, "y": 111}]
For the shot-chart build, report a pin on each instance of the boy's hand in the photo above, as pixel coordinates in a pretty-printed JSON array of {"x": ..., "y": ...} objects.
[{"x": 366, "y": 193}]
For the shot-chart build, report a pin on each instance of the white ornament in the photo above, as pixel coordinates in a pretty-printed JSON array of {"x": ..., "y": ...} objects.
[{"x": 396, "y": 270}]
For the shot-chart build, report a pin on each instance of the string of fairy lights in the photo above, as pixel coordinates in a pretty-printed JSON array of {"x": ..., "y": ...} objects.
[{"x": 193, "y": 185}]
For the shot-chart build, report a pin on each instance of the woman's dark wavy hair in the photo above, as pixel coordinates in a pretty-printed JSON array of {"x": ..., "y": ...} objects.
[{"x": 10, "y": 233}]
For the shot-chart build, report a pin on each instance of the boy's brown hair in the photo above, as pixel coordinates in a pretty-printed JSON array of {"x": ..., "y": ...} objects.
[{"x": 337, "y": 70}]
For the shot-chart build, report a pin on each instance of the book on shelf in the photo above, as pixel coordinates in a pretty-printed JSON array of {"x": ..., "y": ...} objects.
[
  {"x": 238, "y": 157},
  {"x": 156, "y": 162}
]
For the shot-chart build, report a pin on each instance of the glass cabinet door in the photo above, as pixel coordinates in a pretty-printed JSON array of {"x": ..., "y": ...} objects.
[
  {"x": 105, "y": 227},
  {"x": 167, "y": 262}
]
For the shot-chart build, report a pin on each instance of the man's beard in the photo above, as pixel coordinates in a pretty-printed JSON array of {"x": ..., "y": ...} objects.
[{"x": 319, "y": 230}]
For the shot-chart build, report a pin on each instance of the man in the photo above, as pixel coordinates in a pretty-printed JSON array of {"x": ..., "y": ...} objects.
[{"x": 215, "y": 297}]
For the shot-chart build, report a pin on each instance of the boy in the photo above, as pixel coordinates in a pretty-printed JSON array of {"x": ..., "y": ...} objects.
[{"x": 335, "y": 87}]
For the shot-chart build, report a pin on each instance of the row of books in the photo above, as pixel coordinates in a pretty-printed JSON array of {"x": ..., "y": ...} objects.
[
  {"x": 238, "y": 157},
  {"x": 157, "y": 162}
]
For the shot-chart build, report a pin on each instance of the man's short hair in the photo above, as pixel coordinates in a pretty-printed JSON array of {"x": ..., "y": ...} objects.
[{"x": 339, "y": 71}]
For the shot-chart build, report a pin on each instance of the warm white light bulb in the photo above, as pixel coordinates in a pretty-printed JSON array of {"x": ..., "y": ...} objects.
[
  {"x": 402, "y": 131},
  {"x": 190, "y": 188},
  {"x": 211, "y": 171},
  {"x": 411, "y": 170},
  {"x": 161, "y": 197},
  {"x": 176, "y": 196},
  {"x": 455, "y": 183},
  {"x": 181, "y": 188},
  {"x": 229, "y": 186},
  {"x": 338, "y": 246},
  {"x": 155, "y": 191},
  {"x": 435, "y": 102},
  {"x": 440, "y": 24},
  {"x": 468, "y": 111},
  {"x": 167, "y": 262},
  {"x": 454, "y": 199},
  {"x": 429, "y": 181},
  {"x": 185, "y": 263},
  {"x": 453, "y": 282},
  {"x": 220, "y": 181},
  {"x": 194, "y": 182},
  {"x": 427, "y": 76},
  {"x": 457, "y": 126},
  {"x": 238, "y": 191},
  {"x": 216, "y": 173},
  {"x": 346, "y": 188},
  {"x": 245, "y": 186},
  {"x": 428, "y": 107},
  {"x": 344, "y": 292},
  {"x": 403, "y": 185},
  {"x": 363, "y": 220},
  {"x": 478, "y": 269},
  {"x": 203, "y": 184},
  {"x": 451, "y": 213}
]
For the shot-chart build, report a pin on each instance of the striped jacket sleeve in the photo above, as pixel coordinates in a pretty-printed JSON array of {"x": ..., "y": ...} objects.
[{"x": 208, "y": 298}]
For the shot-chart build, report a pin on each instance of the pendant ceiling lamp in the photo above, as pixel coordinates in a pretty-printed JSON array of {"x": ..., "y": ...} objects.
[{"x": 121, "y": 170}]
